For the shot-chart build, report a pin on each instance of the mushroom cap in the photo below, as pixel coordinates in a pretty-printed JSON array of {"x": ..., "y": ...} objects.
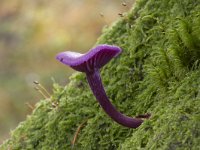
[{"x": 94, "y": 59}]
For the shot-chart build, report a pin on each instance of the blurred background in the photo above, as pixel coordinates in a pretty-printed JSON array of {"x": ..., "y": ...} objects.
[{"x": 31, "y": 34}]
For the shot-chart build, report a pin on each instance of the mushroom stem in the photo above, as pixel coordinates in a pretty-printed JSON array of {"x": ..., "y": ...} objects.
[{"x": 97, "y": 88}]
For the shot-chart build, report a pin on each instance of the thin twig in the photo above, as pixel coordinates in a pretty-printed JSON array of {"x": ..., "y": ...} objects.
[
  {"x": 77, "y": 132},
  {"x": 145, "y": 116}
]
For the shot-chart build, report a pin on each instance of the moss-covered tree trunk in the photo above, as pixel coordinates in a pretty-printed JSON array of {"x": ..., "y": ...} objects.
[{"x": 158, "y": 72}]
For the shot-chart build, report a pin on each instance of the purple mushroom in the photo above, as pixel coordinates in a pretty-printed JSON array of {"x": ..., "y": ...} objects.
[{"x": 90, "y": 63}]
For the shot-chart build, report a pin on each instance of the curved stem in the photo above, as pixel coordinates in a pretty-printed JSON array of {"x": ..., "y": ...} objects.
[{"x": 97, "y": 88}]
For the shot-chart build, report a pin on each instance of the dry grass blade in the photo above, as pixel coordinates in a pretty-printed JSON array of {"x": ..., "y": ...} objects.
[{"x": 77, "y": 132}]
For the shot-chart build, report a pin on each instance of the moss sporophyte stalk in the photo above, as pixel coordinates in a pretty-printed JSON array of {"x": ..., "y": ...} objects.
[{"x": 90, "y": 63}]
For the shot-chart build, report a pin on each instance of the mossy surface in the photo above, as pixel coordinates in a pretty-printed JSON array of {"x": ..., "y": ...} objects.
[{"x": 158, "y": 72}]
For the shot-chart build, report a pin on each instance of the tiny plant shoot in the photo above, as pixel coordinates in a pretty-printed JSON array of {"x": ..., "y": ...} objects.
[{"x": 90, "y": 63}]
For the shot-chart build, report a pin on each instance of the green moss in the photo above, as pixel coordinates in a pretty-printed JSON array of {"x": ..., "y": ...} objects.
[{"x": 158, "y": 72}]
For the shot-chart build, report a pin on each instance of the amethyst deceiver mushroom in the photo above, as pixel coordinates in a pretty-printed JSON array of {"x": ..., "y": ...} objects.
[{"x": 90, "y": 63}]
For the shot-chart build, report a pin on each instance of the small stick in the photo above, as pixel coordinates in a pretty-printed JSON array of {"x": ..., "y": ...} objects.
[
  {"x": 145, "y": 116},
  {"x": 77, "y": 132},
  {"x": 42, "y": 87}
]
